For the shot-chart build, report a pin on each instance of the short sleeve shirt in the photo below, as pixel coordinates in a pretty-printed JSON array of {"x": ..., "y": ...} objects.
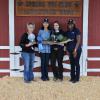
[{"x": 72, "y": 35}]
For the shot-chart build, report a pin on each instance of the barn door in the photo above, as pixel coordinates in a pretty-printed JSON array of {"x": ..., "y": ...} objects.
[
  {"x": 17, "y": 28},
  {"x": 93, "y": 58}
]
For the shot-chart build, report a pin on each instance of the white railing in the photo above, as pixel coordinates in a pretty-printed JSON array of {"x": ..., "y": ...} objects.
[
  {"x": 4, "y": 59},
  {"x": 93, "y": 59}
]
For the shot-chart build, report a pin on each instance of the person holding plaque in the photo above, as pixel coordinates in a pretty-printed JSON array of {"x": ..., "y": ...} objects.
[
  {"x": 57, "y": 51},
  {"x": 44, "y": 49},
  {"x": 74, "y": 49},
  {"x": 27, "y": 44}
]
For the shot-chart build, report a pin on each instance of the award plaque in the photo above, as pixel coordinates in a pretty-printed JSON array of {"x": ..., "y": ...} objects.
[{"x": 56, "y": 42}]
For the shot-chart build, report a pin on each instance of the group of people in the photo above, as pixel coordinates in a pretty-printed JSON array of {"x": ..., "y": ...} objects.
[{"x": 51, "y": 52}]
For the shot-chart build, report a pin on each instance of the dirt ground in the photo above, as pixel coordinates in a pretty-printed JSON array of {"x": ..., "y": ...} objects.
[{"x": 15, "y": 89}]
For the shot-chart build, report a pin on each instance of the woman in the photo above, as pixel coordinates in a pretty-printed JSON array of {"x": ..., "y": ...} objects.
[
  {"x": 44, "y": 49},
  {"x": 57, "y": 52},
  {"x": 27, "y": 44},
  {"x": 74, "y": 50}
]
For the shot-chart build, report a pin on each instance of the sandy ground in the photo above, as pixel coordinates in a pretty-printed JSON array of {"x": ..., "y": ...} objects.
[{"x": 15, "y": 89}]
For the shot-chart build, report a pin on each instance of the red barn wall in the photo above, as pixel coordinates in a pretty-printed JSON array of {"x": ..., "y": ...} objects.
[
  {"x": 4, "y": 34},
  {"x": 94, "y": 34}
]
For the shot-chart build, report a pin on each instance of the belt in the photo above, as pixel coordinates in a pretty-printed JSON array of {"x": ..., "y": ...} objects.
[{"x": 55, "y": 49}]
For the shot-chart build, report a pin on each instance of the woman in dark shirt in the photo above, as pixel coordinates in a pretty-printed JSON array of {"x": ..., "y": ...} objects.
[
  {"x": 74, "y": 49},
  {"x": 27, "y": 44},
  {"x": 57, "y": 52}
]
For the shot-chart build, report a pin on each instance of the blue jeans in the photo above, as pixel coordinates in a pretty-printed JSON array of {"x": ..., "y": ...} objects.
[
  {"x": 28, "y": 59},
  {"x": 44, "y": 65}
]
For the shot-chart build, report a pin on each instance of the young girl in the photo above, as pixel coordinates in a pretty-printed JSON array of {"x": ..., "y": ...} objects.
[
  {"x": 74, "y": 49},
  {"x": 27, "y": 44},
  {"x": 57, "y": 52},
  {"x": 44, "y": 49}
]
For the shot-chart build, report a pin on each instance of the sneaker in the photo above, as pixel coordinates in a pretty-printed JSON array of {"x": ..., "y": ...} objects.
[
  {"x": 43, "y": 79},
  {"x": 75, "y": 81},
  {"x": 71, "y": 80}
]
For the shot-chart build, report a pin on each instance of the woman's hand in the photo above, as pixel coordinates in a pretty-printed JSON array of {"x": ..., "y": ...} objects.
[
  {"x": 45, "y": 42},
  {"x": 75, "y": 53},
  {"x": 34, "y": 42},
  {"x": 28, "y": 45},
  {"x": 61, "y": 44}
]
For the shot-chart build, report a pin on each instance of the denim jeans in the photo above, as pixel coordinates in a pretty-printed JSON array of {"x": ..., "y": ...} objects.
[
  {"x": 44, "y": 65},
  {"x": 28, "y": 59}
]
